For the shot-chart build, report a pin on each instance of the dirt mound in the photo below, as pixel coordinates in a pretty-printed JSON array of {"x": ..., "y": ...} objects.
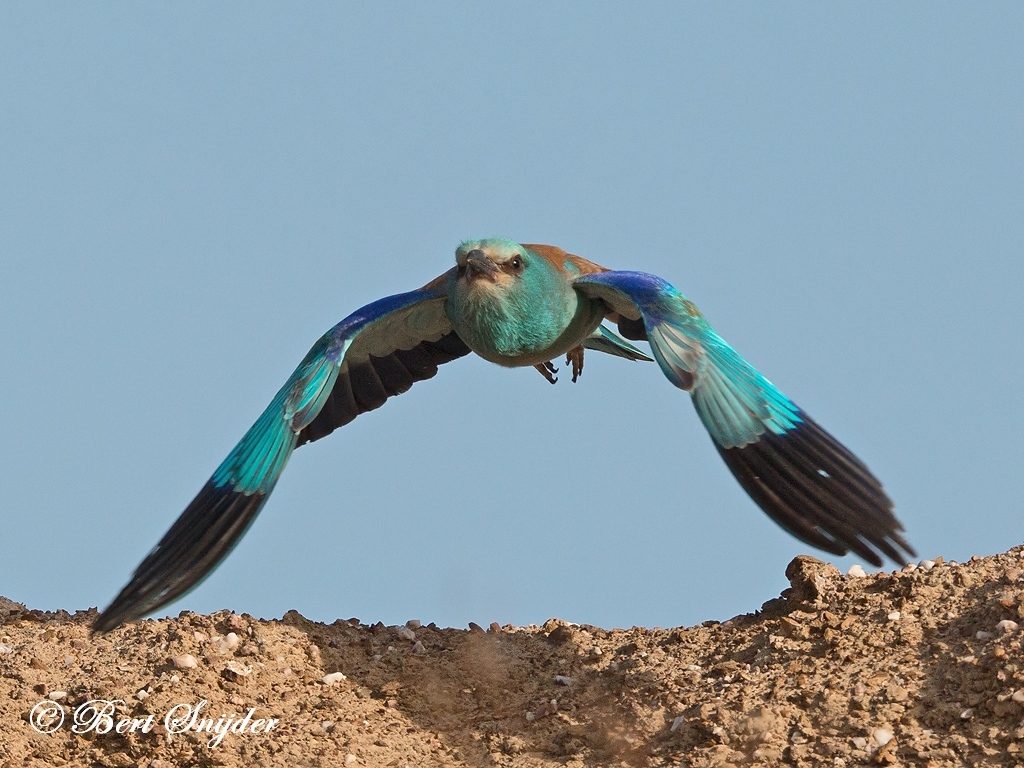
[{"x": 921, "y": 667}]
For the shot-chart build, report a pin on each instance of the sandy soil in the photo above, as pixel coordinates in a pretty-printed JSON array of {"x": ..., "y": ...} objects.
[{"x": 919, "y": 667}]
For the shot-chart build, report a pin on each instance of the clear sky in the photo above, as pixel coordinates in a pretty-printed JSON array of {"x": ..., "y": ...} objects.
[{"x": 190, "y": 194}]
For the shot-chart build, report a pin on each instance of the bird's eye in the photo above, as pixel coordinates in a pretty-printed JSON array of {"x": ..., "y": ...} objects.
[{"x": 517, "y": 263}]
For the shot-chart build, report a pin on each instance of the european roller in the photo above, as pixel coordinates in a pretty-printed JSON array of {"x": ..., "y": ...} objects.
[{"x": 528, "y": 305}]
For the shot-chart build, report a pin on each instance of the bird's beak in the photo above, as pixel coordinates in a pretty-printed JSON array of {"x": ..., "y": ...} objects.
[{"x": 478, "y": 265}]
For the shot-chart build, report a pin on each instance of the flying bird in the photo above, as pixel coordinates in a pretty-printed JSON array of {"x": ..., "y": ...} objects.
[{"x": 528, "y": 305}]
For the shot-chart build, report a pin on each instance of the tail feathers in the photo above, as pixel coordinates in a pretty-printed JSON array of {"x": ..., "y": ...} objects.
[{"x": 603, "y": 340}]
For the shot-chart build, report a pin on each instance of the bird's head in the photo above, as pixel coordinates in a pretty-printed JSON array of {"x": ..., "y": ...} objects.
[
  {"x": 507, "y": 299},
  {"x": 494, "y": 265}
]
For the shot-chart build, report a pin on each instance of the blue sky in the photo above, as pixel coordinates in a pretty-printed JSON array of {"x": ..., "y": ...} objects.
[{"x": 192, "y": 194}]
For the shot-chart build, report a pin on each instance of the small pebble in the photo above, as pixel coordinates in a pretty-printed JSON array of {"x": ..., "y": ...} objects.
[
  {"x": 1006, "y": 626},
  {"x": 677, "y": 722},
  {"x": 495, "y": 627},
  {"x": 237, "y": 700},
  {"x": 185, "y": 661},
  {"x": 227, "y": 643},
  {"x": 199, "y": 636},
  {"x": 1012, "y": 574},
  {"x": 175, "y": 678},
  {"x": 413, "y": 624},
  {"x": 694, "y": 668},
  {"x": 327, "y": 725},
  {"x": 235, "y": 621},
  {"x": 1018, "y": 696},
  {"x": 967, "y": 714},
  {"x": 350, "y": 758},
  {"x": 142, "y": 695},
  {"x": 894, "y": 616},
  {"x": 545, "y": 709},
  {"x": 563, "y": 680},
  {"x": 4, "y": 648},
  {"x": 418, "y": 648},
  {"x": 927, "y": 565},
  {"x": 856, "y": 571},
  {"x": 233, "y": 671},
  {"x": 881, "y": 736},
  {"x": 331, "y": 679},
  {"x": 859, "y": 742},
  {"x": 983, "y": 635},
  {"x": 56, "y": 695},
  {"x": 407, "y": 634}
]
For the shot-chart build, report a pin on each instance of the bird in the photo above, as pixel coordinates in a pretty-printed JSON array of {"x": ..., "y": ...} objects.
[{"x": 522, "y": 305}]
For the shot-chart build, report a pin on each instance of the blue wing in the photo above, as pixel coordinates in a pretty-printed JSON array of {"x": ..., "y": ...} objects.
[
  {"x": 800, "y": 475},
  {"x": 374, "y": 353}
]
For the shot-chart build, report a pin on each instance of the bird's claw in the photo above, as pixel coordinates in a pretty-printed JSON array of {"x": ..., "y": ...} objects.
[
  {"x": 548, "y": 371},
  {"x": 575, "y": 358}
]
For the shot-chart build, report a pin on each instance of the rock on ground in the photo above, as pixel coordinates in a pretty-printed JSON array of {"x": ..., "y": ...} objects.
[{"x": 917, "y": 667}]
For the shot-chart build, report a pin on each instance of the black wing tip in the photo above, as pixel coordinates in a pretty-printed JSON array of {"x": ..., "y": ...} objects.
[
  {"x": 113, "y": 616},
  {"x": 124, "y": 608},
  {"x": 818, "y": 491},
  {"x": 198, "y": 541}
]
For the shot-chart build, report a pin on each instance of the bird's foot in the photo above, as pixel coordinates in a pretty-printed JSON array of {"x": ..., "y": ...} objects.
[
  {"x": 575, "y": 358},
  {"x": 548, "y": 371}
]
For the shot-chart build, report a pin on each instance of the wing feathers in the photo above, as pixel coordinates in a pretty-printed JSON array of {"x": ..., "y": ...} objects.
[
  {"x": 814, "y": 481},
  {"x": 338, "y": 411},
  {"x": 204, "y": 534},
  {"x": 800, "y": 475},
  {"x": 365, "y": 386},
  {"x": 375, "y": 353},
  {"x": 746, "y": 474},
  {"x": 393, "y": 375}
]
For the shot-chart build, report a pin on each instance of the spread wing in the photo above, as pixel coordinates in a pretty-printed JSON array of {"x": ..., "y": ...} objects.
[
  {"x": 800, "y": 475},
  {"x": 374, "y": 353}
]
